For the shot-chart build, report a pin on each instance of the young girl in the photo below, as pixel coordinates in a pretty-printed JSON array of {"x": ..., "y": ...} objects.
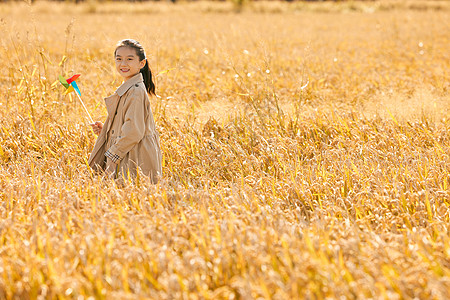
[{"x": 128, "y": 140}]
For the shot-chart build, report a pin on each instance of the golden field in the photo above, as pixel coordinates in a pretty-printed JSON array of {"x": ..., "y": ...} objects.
[{"x": 306, "y": 153}]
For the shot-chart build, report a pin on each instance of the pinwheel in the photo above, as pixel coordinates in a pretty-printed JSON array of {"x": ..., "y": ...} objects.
[{"x": 71, "y": 85}]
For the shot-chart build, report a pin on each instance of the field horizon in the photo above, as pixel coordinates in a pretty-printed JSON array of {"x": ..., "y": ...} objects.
[{"x": 305, "y": 153}]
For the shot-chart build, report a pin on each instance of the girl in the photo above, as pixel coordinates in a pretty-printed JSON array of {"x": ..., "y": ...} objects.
[{"x": 128, "y": 140}]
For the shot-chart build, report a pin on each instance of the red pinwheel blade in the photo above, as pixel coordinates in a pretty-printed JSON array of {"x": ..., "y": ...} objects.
[{"x": 73, "y": 78}]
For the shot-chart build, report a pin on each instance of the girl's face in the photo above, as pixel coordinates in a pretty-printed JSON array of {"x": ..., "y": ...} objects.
[{"x": 127, "y": 62}]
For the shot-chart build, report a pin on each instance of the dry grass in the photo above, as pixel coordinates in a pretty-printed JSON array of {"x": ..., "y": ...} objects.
[{"x": 340, "y": 189}]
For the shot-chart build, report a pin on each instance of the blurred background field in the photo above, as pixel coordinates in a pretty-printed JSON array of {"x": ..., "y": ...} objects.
[{"x": 306, "y": 152}]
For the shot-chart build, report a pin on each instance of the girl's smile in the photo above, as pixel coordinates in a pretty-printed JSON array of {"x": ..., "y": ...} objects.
[{"x": 127, "y": 62}]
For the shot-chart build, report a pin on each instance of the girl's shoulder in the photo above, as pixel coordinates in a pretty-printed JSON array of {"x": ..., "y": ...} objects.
[
  {"x": 137, "y": 89},
  {"x": 136, "y": 94}
]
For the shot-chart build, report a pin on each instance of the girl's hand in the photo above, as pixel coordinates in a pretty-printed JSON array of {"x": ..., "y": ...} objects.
[{"x": 97, "y": 127}]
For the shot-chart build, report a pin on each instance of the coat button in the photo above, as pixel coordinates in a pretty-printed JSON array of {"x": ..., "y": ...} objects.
[
  {"x": 136, "y": 85},
  {"x": 112, "y": 131}
]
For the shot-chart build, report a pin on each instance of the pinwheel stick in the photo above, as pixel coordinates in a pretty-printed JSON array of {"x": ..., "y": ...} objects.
[{"x": 82, "y": 103}]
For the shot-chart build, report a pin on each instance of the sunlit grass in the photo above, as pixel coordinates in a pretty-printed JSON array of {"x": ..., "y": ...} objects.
[{"x": 306, "y": 155}]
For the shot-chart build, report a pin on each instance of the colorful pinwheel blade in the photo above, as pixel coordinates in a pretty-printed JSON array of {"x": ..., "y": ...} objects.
[
  {"x": 63, "y": 82},
  {"x": 75, "y": 86},
  {"x": 73, "y": 78},
  {"x": 70, "y": 89}
]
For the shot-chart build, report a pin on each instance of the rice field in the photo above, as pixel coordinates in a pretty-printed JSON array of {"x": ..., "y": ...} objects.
[{"x": 306, "y": 152}]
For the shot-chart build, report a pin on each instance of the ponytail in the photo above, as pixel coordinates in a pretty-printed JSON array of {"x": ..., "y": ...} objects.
[
  {"x": 148, "y": 81},
  {"x": 145, "y": 71}
]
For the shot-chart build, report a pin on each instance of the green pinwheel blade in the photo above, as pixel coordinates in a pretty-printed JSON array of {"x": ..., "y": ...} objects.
[{"x": 63, "y": 82}]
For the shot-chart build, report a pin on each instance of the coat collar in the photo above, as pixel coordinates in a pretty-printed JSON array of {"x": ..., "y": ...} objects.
[
  {"x": 112, "y": 101},
  {"x": 129, "y": 83}
]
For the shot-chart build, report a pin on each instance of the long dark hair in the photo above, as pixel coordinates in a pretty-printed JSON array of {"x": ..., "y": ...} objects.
[{"x": 145, "y": 71}]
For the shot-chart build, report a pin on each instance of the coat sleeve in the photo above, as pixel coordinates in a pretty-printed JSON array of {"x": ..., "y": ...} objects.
[{"x": 133, "y": 128}]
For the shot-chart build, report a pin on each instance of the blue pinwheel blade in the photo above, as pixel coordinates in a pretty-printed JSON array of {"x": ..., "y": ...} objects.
[{"x": 75, "y": 87}]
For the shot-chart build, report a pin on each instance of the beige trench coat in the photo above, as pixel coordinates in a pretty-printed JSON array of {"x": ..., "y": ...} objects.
[{"x": 129, "y": 133}]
